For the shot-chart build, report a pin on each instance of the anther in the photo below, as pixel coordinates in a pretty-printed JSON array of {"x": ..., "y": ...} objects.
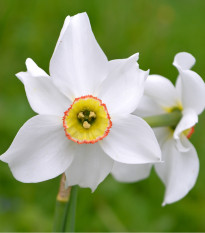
[
  {"x": 86, "y": 125},
  {"x": 92, "y": 115},
  {"x": 81, "y": 115}
]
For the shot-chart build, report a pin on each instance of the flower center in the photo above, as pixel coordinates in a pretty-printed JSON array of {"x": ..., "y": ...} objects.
[
  {"x": 87, "y": 120},
  {"x": 188, "y": 132},
  {"x": 178, "y": 107}
]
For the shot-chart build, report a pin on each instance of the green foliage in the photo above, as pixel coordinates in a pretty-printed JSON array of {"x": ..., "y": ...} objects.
[{"x": 158, "y": 29}]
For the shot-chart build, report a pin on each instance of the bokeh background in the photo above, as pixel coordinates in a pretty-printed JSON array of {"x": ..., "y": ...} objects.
[{"x": 158, "y": 29}]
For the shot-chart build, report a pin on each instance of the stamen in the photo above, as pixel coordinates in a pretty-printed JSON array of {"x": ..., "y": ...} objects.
[
  {"x": 86, "y": 125},
  {"x": 92, "y": 115},
  {"x": 80, "y": 115}
]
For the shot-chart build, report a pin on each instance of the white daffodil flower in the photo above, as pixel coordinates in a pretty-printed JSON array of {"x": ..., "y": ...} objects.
[
  {"x": 181, "y": 165},
  {"x": 84, "y": 122}
]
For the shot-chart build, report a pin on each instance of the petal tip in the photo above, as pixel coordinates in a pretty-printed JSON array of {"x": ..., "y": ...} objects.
[
  {"x": 67, "y": 18},
  {"x": 19, "y": 75},
  {"x": 29, "y": 62},
  {"x": 147, "y": 73},
  {"x": 184, "y": 61},
  {"x": 3, "y": 158},
  {"x": 31, "y": 65},
  {"x": 163, "y": 204},
  {"x": 136, "y": 56},
  {"x": 93, "y": 189},
  {"x": 159, "y": 161},
  {"x": 80, "y": 15}
]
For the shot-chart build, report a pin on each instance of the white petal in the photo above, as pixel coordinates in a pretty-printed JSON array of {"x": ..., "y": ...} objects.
[
  {"x": 179, "y": 88},
  {"x": 42, "y": 94},
  {"x": 130, "y": 172},
  {"x": 161, "y": 90},
  {"x": 162, "y": 134},
  {"x": 184, "y": 60},
  {"x": 40, "y": 150},
  {"x": 89, "y": 167},
  {"x": 131, "y": 141},
  {"x": 34, "y": 70},
  {"x": 148, "y": 107},
  {"x": 78, "y": 64},
  {"x": 178, "y": 172},
  {"x": 181, "y": 146},
  {"x": 122, "y": 90},
  {"x": 64, "y": 28},
  {"x": 190, "y": 85},
  {"x": 188, "y": 120},
  {"x": 192, "y": 90}
]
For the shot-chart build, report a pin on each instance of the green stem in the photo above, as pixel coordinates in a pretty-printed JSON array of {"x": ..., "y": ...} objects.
[
  {"x": 168, "y": 119},
  {"x": 59, "y": 216},
  {"x": 65, "y": 208},
  {"x": 70, "y": 227}
]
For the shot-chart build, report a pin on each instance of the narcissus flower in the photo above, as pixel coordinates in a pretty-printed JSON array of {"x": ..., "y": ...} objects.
[
  {"x": 84, "y": 122},
  {"x": 181, "y": 165}
]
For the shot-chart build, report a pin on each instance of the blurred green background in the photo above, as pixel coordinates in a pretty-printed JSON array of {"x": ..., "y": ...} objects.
[{"x": 158, "y": 29}]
